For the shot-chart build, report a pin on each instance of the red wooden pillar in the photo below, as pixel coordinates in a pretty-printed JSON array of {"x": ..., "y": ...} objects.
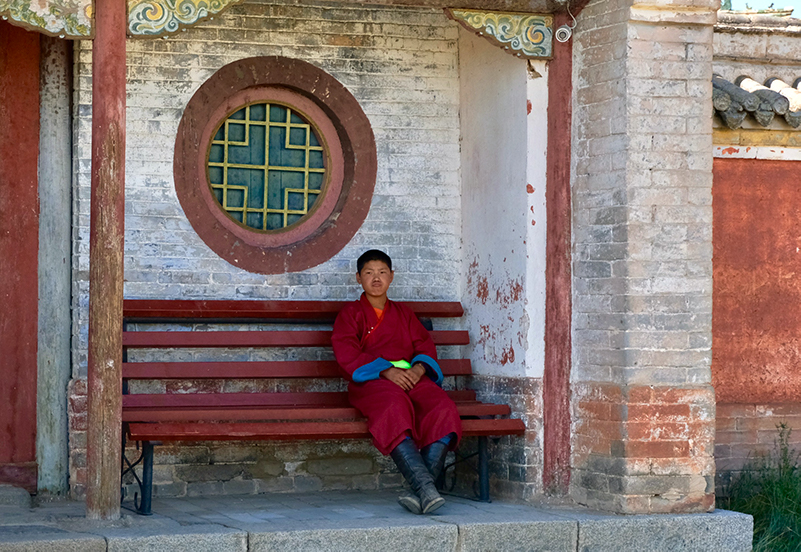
[
  {"x": 103, "y": 455},
  {"x": 558, "y": 302},
  {"x": 19, "y": 248}
]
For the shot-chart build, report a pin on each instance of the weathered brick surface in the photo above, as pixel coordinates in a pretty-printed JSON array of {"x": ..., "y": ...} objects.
[
  {"x": 642, "y": 262},
  {"x": 76, "y": 414},
  {"x": 644, "y": 448},
  {"x": 758, "y": 53},
  {"x": 400, "y": 64},
  {"x": 184, "y": 469},
  {"x": 747, "y": 432},
  {"x": 515, "y": 462}
]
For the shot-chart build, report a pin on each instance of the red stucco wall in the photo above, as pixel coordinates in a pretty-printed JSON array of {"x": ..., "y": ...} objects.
[
  {"x": 756, "y": 323},
  {"x": 19, "y": 246}
]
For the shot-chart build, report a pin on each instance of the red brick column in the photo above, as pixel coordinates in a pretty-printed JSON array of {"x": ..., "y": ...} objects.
[{"x": 645, "y": 449}]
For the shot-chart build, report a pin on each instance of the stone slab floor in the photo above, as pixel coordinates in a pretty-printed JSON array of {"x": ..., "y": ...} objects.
[{"x": 361, "y": 521}]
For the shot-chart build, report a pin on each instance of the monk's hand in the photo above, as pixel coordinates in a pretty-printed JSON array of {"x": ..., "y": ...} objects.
[
  {"x": 402, "y": 378},
  {"x": 417, "y": 371}
]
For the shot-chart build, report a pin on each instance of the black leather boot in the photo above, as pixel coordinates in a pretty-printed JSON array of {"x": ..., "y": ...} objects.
[
  {"x": 434, "y": 457},
  {"x": 414, "y": 470}
]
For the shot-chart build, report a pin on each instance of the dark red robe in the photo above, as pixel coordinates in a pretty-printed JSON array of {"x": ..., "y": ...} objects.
[{"x": 364, "y": 349}]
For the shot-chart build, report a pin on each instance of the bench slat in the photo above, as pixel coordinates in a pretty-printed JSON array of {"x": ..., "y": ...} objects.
[
  {"x": 239, "y": 414},
  {"x": 201, "y": 400},
  {"x": 257, "y": 369},
  {"x": 291, "y": 431},
  {"x": 489, "y": 428},
  {"x": 246, "y": 431},
  {"x": 206, "y": 339},
  {"x": 294, "y": 413},
  {"x": 169, "y": 309}
]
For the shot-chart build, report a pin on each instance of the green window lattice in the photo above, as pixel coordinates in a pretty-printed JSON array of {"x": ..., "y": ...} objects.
[{"x": 266, "y": 166}]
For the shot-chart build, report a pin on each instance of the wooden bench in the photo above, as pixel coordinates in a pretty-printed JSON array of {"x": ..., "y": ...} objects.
[{"x": 154, "y": 418}]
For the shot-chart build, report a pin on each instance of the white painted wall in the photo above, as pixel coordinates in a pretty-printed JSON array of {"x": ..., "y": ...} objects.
[
  {"x": 503, "y": 208},
  {"x": 536, "y": 229}
]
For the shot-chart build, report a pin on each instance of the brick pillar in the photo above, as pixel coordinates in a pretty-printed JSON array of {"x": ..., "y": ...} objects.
[{"x": 643, "y": 404}]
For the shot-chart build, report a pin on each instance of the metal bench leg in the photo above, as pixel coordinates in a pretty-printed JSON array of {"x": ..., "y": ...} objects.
[
  {"x": 483, "y": 470},
  {"x": 147, "y": 479}
]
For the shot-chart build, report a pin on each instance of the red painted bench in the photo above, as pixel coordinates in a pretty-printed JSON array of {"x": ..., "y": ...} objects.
[{"x": 154, "y": 418}]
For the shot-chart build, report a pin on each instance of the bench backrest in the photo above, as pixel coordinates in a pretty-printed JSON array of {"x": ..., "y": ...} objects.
[{"x": 137, "y": 311}]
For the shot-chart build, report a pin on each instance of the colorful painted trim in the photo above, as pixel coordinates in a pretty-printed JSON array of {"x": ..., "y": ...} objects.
[
  {"x": 521, "y": 34},
  {"x": 370, "y": 371},
  {"x": 781, "y": 138},
  {"x": 159, "y": 17},
  {"x": 774, "y": 153},
  {"x": 74, "y": 18},
  {"x": 62, "y": 18},
  {"x": 432, "y": 368}
]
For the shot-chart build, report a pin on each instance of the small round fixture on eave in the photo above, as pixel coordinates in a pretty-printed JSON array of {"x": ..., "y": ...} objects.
[{"x": 563, "y": 33}]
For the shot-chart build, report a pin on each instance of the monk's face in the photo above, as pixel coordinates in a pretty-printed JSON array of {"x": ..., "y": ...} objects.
[{"x": 375, "y": 278}]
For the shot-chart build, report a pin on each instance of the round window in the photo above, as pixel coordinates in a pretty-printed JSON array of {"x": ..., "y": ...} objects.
[
  {"x": 273, "y": 176},
  {"x": 267, "y": 166}
]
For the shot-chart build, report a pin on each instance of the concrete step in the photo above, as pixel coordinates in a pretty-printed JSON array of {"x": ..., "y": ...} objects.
[
  {"x": 353, "y": 521},
  {"x": 14, "y": 496}
]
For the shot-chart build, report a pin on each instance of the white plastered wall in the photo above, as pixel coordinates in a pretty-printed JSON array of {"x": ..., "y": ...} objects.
[{"x": 503, "y": 175}]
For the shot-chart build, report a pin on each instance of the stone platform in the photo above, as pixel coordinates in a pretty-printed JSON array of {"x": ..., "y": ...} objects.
[{"x": 354, "y": 521}]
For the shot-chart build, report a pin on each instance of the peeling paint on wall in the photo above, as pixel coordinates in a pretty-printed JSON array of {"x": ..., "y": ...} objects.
[
  {"x": 772, "y": 153},
  {"x": 508, "y": 322},
  {"x": 503, "y": 198}
]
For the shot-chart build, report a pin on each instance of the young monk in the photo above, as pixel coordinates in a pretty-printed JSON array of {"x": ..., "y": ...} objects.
[{"x": 391, "y": 363}]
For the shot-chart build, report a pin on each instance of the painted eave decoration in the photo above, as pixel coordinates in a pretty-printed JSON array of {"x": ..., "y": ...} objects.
[
  {"x": 73, "y": 18},
  {"x": 524, "y": 35},
  {"x": 64, "y": 18},
  {"x": 160, "y": 17}
]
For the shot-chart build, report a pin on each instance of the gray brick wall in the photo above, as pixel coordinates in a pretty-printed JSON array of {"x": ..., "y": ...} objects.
[
  {"x": 402, "y": 66},
  {"x": 642, "y": 199},
  {"x": 599, "y": 187},
  {"x": 643, "y": 404}
]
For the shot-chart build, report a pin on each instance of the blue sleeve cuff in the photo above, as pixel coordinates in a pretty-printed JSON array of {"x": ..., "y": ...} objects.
[
  {"x": 371, "y": 370},
  {"x": 432, "y": 368}
]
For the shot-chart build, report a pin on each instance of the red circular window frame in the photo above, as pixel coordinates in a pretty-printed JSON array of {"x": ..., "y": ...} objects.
[
  {"x": 344, "y": 128},
  {"x": 332, "y": 187}
]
